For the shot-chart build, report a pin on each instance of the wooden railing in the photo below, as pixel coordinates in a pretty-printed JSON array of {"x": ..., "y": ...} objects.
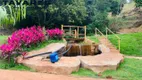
[
  {"x": 106, "y": 36},
  {"x": 118, "y": 38},
  {"x": 75, "y": 31}
]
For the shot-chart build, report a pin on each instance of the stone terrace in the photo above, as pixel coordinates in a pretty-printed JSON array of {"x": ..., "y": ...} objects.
[{"x": 108, "y": 60}]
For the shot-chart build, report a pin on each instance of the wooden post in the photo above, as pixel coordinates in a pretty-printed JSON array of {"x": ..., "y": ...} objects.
[
  {"x": 106, "y": 32},
  {"x": 70, "y": 31},
  {"x": 62, "y": 27},
  {"x": 44, "y": 30},
  {"x": 85, "y": 32},
  {"x": 77, "y": 32},
  {"x": 119, "y": 41}
]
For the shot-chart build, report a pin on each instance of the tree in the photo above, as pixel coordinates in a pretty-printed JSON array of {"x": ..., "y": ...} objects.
[
  {"x": 58, "y": 12},
  {"x": 115, "y": 7},
  {"x": 98, "y": 12},
  {"x": 69, "y": 12},
  {"x": 138, "y": 3}
]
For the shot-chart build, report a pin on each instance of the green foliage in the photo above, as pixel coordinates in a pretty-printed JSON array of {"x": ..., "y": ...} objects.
[
  {"x": 10, "y": 14},
  {"x": 130, "y": 43},
  {"x": 17, "y": 12},
  {"x": 3, "y": 15},
  {"x": 100, "y": 21},
  {"x": 138, "y": 3},
  {"x": 98, "y": 12},
  {"x": 93, "y": 38},
  {"x": 116, "y": 23},
  {"x": 116, "y": 6},
  {"x": 69, "y": 12},
  {"x": 57, "y": 12}
]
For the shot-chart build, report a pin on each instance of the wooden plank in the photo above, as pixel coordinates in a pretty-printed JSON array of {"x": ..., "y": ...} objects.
[{"x": 74, "y": 26}]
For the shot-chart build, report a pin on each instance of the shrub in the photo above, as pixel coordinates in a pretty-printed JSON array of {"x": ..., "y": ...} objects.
[
  {"x": 54, "y": 33},
  {"x": 23, "y": 37}
]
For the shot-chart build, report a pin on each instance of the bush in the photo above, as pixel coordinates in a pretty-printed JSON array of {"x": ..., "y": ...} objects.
[
  {"x": 55, "y": 33},
  {"x": 23, "y": 37}
]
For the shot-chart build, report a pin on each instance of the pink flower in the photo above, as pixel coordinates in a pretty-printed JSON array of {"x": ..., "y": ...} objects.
[
  {"x": 21, "y": 37},
  {"x": 54, "y": 32}
]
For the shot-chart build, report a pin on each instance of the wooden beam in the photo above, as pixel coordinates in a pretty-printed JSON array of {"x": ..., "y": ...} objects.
[
  {"x": 85, "y": 32},
  {"x": 62, "y": 27},
  {"x": 77, "y": 32}
]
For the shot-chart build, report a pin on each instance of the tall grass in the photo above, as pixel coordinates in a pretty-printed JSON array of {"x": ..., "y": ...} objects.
[{"x": 3, "y": 14}]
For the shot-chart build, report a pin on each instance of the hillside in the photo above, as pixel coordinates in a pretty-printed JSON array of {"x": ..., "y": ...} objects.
[
  {"x": 133, "y": 18},
  {"x": 129, "y": 20}
]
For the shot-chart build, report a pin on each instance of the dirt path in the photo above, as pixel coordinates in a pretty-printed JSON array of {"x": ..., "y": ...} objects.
[
  {"x": 107, "y": 46},
  {"x": 23, "y": 75},
  {"x": 133, "y": 57}
]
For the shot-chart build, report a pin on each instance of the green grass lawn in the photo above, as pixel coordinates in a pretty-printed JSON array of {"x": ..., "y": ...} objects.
[
  {"x": 12, "y": 66},
  {"x": 131, "y": 44},
  {"x": 93, "y": 38},
  {"x": 3, "y": 39},
  {"x": 85, "y": 72},
  {"x": 130, "y": 69}
]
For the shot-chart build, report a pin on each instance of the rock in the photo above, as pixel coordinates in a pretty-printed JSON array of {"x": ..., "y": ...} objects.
[
  {"x": 103, "y": 48},
  {"x": 102, "y": 62},
  {"x": 66, "y": 65},
  {"x": 50, "y": 48}
]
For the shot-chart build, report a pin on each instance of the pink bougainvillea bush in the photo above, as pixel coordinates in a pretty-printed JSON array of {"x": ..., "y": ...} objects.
[
  {"x": 54, "y": 33},
  {"x": 22, "y": 37}
]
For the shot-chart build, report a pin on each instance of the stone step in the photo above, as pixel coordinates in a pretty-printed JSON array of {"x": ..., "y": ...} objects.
[
  {"x": 66, "y": 65},
  {"x": 108, "y": 44},
  {"x": 102, "y": 62}
]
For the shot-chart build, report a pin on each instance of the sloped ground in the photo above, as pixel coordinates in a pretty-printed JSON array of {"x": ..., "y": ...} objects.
[
  {"x": 130, "y": 43},
  {"x": 131, "y": 30},
  {"x": 128, "y": 21},
  {"x": 132, "y": 19}
]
